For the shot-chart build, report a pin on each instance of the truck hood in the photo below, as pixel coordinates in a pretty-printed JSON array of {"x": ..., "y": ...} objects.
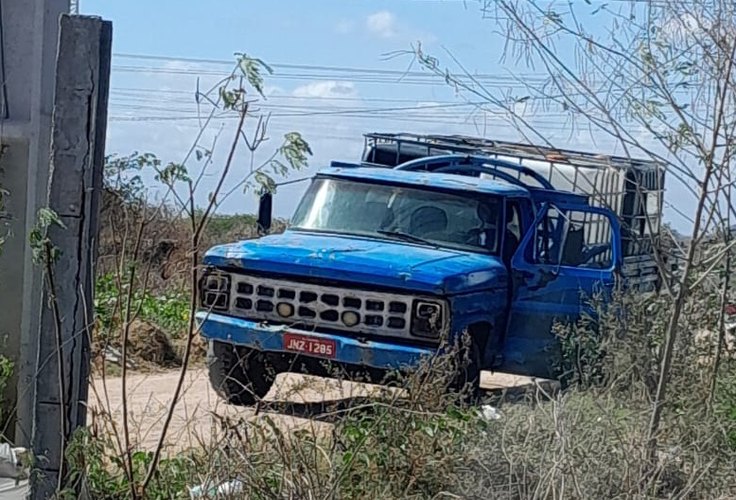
[{"x": 363, "y": 261}]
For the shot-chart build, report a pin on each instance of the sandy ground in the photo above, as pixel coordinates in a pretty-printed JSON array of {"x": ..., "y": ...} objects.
[{"x": 200, "y": 413}]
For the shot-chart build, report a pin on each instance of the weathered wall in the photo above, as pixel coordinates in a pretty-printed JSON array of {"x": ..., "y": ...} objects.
[{"x": 29, "y": 30}]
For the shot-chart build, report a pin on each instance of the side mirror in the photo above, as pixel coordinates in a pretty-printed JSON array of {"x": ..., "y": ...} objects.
[{"x": 265, "y": 213}]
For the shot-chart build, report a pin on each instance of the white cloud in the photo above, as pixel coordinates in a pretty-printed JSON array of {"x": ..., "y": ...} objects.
[
  {"x": 382, "y": 23},
  {"x": 326, "y": 88},
  {"x": 344, "y": 27},
  {"x": 272, "y": 90}
]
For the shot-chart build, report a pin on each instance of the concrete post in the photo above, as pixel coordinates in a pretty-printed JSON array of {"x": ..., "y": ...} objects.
[
  {"x": 29, "y": 36},
  {"x": 77, "y": 162}
]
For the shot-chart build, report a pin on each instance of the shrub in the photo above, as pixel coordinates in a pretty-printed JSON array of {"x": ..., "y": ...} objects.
[{"x": 169, "y": 310}]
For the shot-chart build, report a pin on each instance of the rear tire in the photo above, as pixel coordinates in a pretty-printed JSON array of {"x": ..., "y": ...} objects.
[{"x": 239, "y": 375}]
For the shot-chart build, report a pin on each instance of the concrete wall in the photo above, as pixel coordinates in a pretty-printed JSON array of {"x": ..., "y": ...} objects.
[{"x": 30, "y": 37}]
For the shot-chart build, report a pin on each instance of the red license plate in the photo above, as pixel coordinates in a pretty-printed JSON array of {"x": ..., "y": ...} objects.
[{"x": 310, "y": 345}]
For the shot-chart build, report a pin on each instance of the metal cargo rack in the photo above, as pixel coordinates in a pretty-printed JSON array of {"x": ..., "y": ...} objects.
[{"x": 431, "y": 144}]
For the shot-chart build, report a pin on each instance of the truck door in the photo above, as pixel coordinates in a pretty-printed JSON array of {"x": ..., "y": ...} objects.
[{"x": 568, "y": 256}]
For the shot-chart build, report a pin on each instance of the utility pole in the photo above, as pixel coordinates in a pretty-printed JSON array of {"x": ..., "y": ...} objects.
[
  {"x": 77, "y": 162},
  {"x": 28, "y": 45}
]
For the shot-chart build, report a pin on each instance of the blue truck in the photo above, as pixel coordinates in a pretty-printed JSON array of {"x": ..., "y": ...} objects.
[{"x": 425, "y": 239}]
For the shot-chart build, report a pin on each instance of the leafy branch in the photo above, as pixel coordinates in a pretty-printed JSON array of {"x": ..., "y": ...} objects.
[{"x": 46, "y": 254}]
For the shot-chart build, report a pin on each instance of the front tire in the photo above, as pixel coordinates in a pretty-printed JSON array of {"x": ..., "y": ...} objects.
[
  {"x": 466, "y": 381},
  {"x": 239, "y": 375}
]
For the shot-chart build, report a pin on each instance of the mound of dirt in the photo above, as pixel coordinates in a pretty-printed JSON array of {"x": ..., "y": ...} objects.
[{"x": 147, "y": 342}]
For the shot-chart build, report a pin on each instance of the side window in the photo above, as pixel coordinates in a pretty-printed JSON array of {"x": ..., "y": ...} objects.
[{"x": 574, "y": 238}]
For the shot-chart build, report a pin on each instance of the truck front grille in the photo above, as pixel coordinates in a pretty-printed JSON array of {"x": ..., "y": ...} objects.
[{"x": 321, "y": 306}]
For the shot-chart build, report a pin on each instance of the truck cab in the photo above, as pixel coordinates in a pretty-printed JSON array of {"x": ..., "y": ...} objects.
[{"x": 381, "y": 265}]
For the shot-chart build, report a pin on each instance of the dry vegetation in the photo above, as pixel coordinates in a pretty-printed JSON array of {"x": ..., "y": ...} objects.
[
  {"x": 158, "y": 329},
  {"x": 588, "y": 442}
]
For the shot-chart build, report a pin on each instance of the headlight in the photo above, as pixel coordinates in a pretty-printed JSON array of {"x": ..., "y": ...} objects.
[
  {"x": 427, "y": 319},
  {"x": 214, "y": 290},
  {"x": 350, "y": 318},
  {"x": 285, "y": 310}
]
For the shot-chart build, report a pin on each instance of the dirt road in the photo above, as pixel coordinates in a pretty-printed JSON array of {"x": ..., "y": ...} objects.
[{"x": 200, "y": 412}]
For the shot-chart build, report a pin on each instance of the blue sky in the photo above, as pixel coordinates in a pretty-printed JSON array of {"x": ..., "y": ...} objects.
[
  {"x": 335, "y": 32},
  {"x": 335, "y": 43}
]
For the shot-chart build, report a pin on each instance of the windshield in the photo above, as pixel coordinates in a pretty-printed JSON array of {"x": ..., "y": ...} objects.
[{"x": 422, "y": 216}]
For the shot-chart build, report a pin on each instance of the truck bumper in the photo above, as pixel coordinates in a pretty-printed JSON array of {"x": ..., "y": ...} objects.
[{"x": 269, "y": 338}]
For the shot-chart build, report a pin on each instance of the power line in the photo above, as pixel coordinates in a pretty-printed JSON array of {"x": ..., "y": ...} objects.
[
  {"x": 141, "y": 94},
  {"x": 313, "y": 67},
  {"x": 435, "y": 113},
  {"x": 140, "y": 99},
  {"x": 518, "y": 83},
  {"x": 136, "y": 103},
  {"x": 429, "y": 79},
  {"x": 403, "y": 117},
  {"x": 433, "y": 109}
]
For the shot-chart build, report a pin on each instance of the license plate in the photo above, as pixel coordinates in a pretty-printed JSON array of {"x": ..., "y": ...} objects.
[{"x": 310, "y": 345}]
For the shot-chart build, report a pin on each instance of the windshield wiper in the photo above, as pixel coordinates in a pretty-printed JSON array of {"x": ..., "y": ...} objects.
[{"x": 407, "y": 237}]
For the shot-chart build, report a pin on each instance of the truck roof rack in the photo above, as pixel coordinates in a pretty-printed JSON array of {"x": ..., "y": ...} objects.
[
  {"x": 470, "y": 165},
  {"x": 433, "y": 144},
  {"x": 474, "y": 164}
]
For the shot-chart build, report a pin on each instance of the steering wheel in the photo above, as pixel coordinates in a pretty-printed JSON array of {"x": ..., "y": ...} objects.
[{"x": 472, "y": 236}]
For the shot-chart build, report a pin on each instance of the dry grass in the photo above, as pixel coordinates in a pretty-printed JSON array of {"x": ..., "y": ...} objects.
[{"x": 422, "y": 442}]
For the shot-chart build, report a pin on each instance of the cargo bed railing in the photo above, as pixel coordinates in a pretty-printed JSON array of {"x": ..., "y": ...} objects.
[{"x": 458, "y": 144}]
